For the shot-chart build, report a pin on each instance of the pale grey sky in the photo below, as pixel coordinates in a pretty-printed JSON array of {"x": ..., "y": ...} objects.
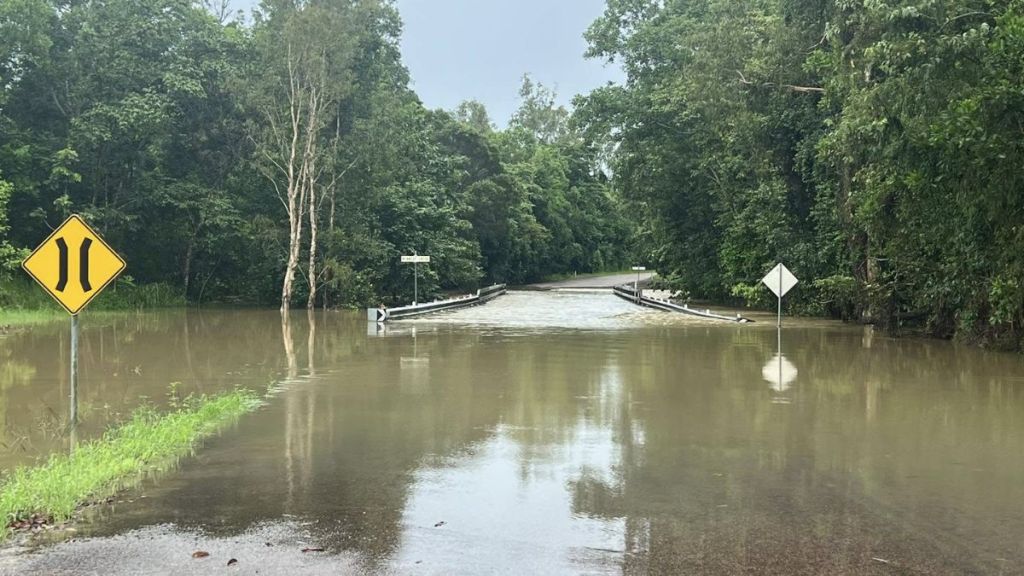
[{"x": 479, "y": 49}]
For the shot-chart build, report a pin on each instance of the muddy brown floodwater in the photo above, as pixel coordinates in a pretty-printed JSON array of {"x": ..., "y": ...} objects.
[{"x": 544, "y": 433}]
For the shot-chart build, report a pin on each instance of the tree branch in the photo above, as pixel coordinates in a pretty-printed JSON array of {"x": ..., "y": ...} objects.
[{"x": 794, "y": 88}]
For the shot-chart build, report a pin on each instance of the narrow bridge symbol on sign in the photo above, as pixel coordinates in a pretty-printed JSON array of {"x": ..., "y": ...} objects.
[{"x": 73, "y": 264}]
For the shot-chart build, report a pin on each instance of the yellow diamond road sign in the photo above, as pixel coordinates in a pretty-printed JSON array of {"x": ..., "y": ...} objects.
[{"x": 74, "y": 264}]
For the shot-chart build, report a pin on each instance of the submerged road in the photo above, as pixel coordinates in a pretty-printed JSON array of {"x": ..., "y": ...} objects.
[
  {"x": 556, "y": 433},
  {"x": 604, "y": 281}
]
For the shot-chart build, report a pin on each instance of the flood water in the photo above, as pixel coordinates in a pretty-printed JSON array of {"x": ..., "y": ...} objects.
[{"x": 544, "y": 433}]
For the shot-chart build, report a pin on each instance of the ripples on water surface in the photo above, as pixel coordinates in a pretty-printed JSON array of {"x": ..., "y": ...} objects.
[{"x": 556, "y": 433}]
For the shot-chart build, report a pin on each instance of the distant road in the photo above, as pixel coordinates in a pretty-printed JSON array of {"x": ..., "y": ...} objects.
[{"x": 606, "y": 281}]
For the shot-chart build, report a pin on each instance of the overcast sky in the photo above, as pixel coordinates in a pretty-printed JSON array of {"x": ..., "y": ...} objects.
[{"x": 479, "y": 49}]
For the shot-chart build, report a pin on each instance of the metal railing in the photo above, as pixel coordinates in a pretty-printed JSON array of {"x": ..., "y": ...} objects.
[
  {"x": 626, "y": 292},
  {"x": 481, "y": 296}
]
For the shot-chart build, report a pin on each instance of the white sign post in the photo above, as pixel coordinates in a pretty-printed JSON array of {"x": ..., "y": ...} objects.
[
  {"x": 416, "y": 259},
  {"x": 636, "y": 286},
  {"x": 780, "y": 281}
]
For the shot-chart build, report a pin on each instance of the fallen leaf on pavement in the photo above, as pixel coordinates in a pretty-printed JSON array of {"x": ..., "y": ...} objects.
[
  {"x": 200, "y": 554},
  {"x": 232, "y": 561},
  {"x": 312, "y": 549}
]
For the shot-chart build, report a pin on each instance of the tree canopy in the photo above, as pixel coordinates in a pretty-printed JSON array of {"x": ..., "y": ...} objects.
[
  {"x": 871, "y": 146},
  {"x": 182, "y": 137}
]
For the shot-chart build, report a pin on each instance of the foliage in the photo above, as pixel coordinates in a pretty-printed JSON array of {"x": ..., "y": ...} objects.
[
  {"x": 870, "y": 146},
  {"x": 156, "y": 121}
]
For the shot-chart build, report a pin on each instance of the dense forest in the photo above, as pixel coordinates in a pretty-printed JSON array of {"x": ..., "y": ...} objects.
[
  {"x": 873, "y": 146},
  {"x": 226, "y": 160}
]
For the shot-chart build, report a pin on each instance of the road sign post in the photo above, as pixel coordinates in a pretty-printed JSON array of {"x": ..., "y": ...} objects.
[
  {"x": 780, "y": 281},
  {"x": 73, "y": 379},
  {"x": 636, "y": 285},
  {"x": 72, "y": 248},
  {"x": 415, "y": 259}
]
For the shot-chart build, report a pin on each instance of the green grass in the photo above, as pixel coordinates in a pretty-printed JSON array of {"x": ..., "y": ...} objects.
[{"x": 98, "y": 469}]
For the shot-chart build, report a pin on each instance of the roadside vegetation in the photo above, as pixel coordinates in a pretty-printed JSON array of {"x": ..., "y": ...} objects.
[
  {"x": 873, "y": 147},
  {"x": 22, "y": 302},
  {"x": 148, "y": 441}
]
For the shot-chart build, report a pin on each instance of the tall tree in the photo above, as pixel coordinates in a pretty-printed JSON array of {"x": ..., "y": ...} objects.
[{"x": 307, "y": 51}]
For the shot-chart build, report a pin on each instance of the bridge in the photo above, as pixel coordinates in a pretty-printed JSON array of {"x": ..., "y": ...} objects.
[{"x": 626, "y": 286}]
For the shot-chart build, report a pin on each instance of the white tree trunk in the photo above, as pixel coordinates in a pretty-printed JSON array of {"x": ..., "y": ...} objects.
[
  {"x": 311, "y": 302},
  {"x": 294, "y": 163}
]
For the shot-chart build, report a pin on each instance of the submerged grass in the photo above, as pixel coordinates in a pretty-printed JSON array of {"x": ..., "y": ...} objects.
[
  {"x": 100, "y": 468},
  {"x": 22, "y": 302},
  {"x": 19, "y": 317}
]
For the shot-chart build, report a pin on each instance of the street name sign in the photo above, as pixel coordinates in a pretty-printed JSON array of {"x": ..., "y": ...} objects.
[
  {"x": 639, "y": 268},
  {"x": 73, "y": 264},
  {"x": 416, "y": 259}
]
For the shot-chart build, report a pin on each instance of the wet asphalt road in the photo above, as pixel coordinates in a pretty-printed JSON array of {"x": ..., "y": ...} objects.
[{"x": 607, "y": 281}]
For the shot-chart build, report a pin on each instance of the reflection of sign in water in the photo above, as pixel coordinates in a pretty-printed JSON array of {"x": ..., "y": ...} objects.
[
  {"x": 73, "y": 264},
  {"x": 780, "y": 372}
]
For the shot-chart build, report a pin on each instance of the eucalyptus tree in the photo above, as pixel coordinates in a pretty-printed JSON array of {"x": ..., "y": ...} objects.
[{"x": 306, "y": 52}]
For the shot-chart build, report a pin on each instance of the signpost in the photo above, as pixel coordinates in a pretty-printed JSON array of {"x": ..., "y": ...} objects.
[
  {"x": 636, "y": 286},
  {"x": 73, "y": 265},
  {"x": 416, "y": 259},
  {"x": 780, "y": 281}
]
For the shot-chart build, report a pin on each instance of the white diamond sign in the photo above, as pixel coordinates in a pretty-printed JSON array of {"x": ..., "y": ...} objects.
[{"x": 780, "y": 280}]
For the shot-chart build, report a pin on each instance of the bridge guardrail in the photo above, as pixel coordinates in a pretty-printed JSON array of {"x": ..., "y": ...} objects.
[
  {"x": 481, "y": 296},
  {"x": 626, "y": 292}
]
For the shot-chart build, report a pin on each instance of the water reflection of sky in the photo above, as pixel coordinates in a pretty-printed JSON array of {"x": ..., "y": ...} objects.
[
  {"x": 510, "y": 502},
  {"x": 546, "y": 310}
]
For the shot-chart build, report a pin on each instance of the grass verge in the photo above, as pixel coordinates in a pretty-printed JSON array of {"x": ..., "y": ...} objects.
[{"x": 97, "y": 469}]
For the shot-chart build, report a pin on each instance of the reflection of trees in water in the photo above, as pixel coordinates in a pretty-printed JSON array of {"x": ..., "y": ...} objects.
[
  {"x": 723, "y": 479},
  {"x": 706, "y": 471},
  {"x": 127, "y": 359}
]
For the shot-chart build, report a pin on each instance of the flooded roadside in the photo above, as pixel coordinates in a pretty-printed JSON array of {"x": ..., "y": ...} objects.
[{"x": 556, "y": 434}]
